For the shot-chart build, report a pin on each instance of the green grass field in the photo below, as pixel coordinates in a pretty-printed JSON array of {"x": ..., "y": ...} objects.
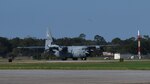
[{"x": 116, "y": 65}]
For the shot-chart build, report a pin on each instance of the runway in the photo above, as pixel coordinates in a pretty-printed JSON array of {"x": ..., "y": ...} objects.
[{"x": 74, "y": 77}]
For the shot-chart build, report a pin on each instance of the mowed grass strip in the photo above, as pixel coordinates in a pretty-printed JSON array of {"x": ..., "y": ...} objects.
[{"x": 128, "y": 65}]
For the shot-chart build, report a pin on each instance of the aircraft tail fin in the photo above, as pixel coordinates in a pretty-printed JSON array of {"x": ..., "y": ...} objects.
[{"x": 49, "y": 39}]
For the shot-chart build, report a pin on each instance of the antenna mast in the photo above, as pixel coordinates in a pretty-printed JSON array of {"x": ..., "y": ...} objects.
[{"x": 139, "y": 45}]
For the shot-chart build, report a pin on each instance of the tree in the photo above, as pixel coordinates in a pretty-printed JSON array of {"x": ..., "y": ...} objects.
[
  {"x": 82, "y": 36},
  {"x": 5, "y": 46},
  {"x": 99, "y": 40},
  {"x": 64, "y": 41},
  {"x": 31, "y": 41},
  {"x": 15, "y": 42},
  {"x": 116, "y": 41},
  {"x": 145, "y": 45},
  {"x": 146, "y": 37}
]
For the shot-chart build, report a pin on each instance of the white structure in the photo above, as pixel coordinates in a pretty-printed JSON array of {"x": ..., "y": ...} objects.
[{"x": 117, "y": 56}]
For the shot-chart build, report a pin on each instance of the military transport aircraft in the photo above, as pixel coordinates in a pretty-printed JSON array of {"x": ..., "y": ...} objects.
[{"x": 65, "y": 52}]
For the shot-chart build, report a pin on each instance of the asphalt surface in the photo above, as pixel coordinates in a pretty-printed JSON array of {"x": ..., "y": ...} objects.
[{"x": 74, "y": 77}]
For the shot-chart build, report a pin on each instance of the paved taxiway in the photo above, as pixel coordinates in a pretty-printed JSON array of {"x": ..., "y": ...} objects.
[{"x": 74, "y": 77}]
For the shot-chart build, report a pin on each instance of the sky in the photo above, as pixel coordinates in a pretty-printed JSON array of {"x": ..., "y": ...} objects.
[{"x": 69, "y": 18}]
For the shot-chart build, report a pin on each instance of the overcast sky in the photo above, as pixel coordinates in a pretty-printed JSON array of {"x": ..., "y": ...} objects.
[{"x": 69, "y": 18}]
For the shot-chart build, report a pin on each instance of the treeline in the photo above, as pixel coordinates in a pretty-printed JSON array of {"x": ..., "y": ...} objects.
[
  {"x": 9, "y": 46},
  {"x": 127, "y": 46}
]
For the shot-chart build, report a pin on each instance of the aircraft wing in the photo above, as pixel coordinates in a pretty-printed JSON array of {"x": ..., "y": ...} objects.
[{"x": 32, "y": 47}]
